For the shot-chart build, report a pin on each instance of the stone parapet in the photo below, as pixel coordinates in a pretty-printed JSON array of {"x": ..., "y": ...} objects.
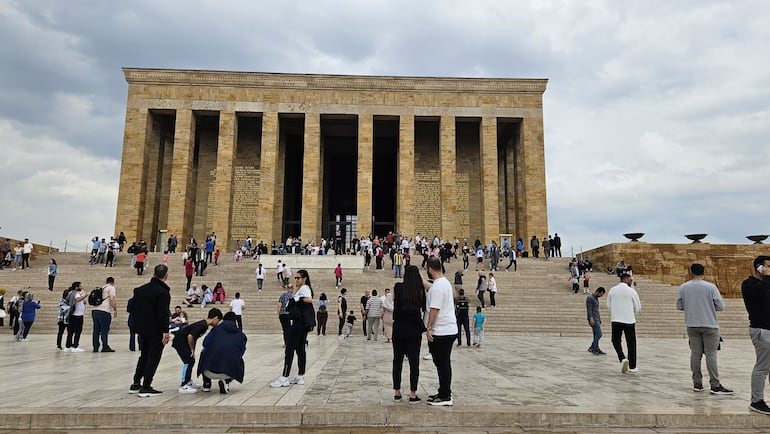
[{"x": 727, "y": 265}]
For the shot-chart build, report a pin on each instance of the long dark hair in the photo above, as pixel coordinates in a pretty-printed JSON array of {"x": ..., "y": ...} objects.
[
  {"x": 409, "y": 295},
  {"x": 303, "y": 273}
]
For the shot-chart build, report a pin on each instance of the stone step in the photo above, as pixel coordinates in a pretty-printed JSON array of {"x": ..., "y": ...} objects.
[{"x": 537, "y": 294}]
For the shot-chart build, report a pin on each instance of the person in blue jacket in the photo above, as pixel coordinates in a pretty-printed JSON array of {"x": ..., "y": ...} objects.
[
  {"x": 28, "y": 313},
  {"x": 222, "y": 355}
]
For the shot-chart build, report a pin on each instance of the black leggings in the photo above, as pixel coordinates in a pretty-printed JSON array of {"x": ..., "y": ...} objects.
[
  {"x": 295, "y": 342},
  {"x": 409, "y": 347}
]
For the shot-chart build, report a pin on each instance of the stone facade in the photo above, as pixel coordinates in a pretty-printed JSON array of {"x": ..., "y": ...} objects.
[
  {"x": 727, "y": 265},
  {"x": 254, "y": 154}
]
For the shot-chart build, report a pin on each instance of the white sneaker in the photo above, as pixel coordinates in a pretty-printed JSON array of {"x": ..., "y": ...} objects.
[
  {"x": 428, "y": 356},
  {"x": 78, "y": 350},
  {"x": 193, "y": 384},
  {"x": 633, "y": 370},
  {"x": 67, "y": 350},
  {"x": 187, "y": 389},
  {"x": 297, "y": 379},
  {"x": 280, "y": 382},
  {"x": 624, "y": 366}
]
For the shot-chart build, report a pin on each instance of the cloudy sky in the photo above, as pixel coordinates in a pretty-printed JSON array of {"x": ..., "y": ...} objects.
[{"x": 657, "y": 113}]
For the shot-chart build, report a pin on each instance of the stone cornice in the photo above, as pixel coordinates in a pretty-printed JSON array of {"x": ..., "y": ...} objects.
[{"x": 333, "y": 82}]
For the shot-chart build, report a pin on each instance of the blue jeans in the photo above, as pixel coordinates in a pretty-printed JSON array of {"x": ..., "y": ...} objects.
[
  {"x": 397, "y": 272},
  {"x": 597, "y": 330},
  {"x": 102, "y": 322}
]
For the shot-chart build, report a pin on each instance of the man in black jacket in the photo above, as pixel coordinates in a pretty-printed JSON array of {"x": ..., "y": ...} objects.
[
  {"x": 756, "y": 298},
  {"x": 151, "y": 315}
]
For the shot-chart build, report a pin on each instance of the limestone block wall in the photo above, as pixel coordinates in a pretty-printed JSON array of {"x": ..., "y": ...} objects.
[
  {"x": 727, "y": 265},
  {"x": 468, "y": 184},
  {"x": 188, "y": 202}
]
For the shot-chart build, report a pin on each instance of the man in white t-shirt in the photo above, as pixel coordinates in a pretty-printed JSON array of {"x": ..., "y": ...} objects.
[
  {"x": 442, "y": 329},
  {"x": 102, "y": 316},
  {"x": 236, "y": 306}
]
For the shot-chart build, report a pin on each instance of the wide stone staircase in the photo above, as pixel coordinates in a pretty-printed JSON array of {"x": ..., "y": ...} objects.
[{"x": 535, "y": 300}]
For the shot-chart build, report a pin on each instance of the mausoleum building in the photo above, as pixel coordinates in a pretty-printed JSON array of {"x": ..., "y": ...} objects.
[{"x": 276, "y": 155}]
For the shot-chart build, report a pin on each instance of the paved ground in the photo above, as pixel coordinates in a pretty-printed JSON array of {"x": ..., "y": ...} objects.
[{"x": 526, "y": 383}]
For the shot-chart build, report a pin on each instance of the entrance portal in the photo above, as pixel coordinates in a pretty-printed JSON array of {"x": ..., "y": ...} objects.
[{"x": 339, "y": 150}]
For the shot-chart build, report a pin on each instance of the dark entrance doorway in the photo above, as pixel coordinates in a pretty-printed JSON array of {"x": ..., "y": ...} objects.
[
  {"x": 339, "y": 139},
  {"x": 291, "y": 139},
  {"x": 385, "y": 175}
]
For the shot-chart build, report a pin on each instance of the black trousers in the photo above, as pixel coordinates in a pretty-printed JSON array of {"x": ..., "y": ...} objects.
[
  {"x": 188, "y": 360},
  {"x": 295, "y": 342},
  {"x": 441, "y": 350},
  {"x": 619, "y": 328},
  {"x": 151, "y": 349},
  {"x": 74, "y": 329},
  {"x": 285, "y": 324},
  {"x": 342, "y": 323},
  {"x": 409, "y": 347},
  {"x": 60, "y": 333},
  {"x": 463, "y": 321}
]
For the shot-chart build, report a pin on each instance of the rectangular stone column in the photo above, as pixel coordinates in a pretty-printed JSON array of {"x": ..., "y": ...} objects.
[
  {"x": 490, "y": 212},
  {"x": 532, "y": 211},
  {"x": 311, "y": 177},
  {"x": 448, "y": 171},
  {"x": 180, "y": 211},
  {"x": 133, "y": 176},
  {"x": 268, "y": 162},
  {"x": 223, "y": 183},
  {"x": 405, "y": 199},
  {"x": 365, "y": 174}
]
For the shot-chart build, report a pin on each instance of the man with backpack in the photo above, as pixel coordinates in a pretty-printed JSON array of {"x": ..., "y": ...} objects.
[
  {"x": 461, "y": 310},
  {"x": 104, "y": 309}
]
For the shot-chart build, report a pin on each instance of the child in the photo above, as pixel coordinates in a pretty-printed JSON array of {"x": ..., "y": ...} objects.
[
  {"x": 479, "y": 319},
  {"x": 165, "y": 258},
  {"x": 236, "y": 306},
  {"x": 350, "y": 320},
  {"x": 586, "y": 278},
  {"x": 216, "y": 257},
  {"x": 184, "y": 344},
  {"x": 238, "y": 255},
  {"x": 575, "y": 284}
]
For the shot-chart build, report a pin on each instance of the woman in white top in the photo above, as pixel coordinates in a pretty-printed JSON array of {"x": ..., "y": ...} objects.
[
  {"x": 492, "y": 288},
  {"x": 296, "y": 336}
]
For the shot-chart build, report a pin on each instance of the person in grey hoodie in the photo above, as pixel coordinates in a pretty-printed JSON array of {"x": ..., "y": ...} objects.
[{"x": 700, "y": 300}]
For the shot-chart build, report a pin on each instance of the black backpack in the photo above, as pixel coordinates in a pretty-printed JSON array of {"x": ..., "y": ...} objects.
[
  {"x": 462, "y": 305},
  {"x": 96, "y": 297}
]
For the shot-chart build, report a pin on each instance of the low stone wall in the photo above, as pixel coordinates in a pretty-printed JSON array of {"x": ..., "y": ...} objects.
[
  {"x": 727, "y": 265},
  {"x": 350, "y": 263},
  {"x": 37, "y": 249}
]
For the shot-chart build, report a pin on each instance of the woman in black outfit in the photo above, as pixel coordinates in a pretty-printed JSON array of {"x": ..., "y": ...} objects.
[{"x": 408, "y": 326}]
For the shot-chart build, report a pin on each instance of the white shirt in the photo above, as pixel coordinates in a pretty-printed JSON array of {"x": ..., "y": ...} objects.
[
  {"x": 80, "y": 306},
  {"x": 27, "y": 247},
  {"x": 237, "y": 306},
  {"x": 260, "y": 272},
  {"x": 304, "y": 291},
  {"x": 440, "y": 297},
  {"x": 287, "y": 273},
  {"x": 623, "y": 302},
  {"x": 492, "y": 284}
]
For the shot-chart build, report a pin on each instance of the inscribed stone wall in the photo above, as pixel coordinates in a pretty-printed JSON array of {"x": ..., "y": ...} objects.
[
  {"x": 427, "y": 194},
  {"x": 204, "y": 182},
  {"x": 468, "y": 184},
  {"x": 727, "y": 265},
  {"x": 246, "y": 179}
]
